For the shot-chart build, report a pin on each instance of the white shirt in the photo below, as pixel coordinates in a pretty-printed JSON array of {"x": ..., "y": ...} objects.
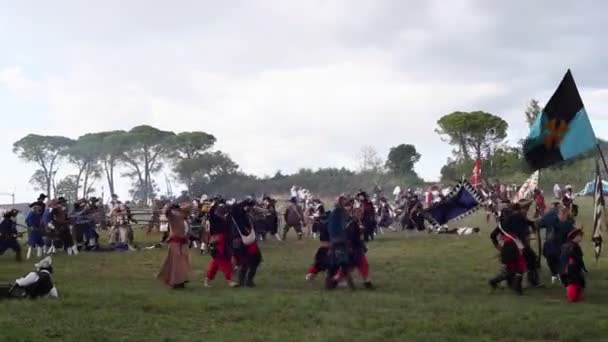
[
  {"x": 465, "y": 231},
  {"x": 436, "y": 198},
  {"x": 33, "y": 277},
  {"x": 557, "y": 191},
  {"x": 316, "y": 210}
]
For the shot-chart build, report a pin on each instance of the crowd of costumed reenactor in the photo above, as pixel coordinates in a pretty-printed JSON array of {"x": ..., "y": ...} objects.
[{"x": 230, "y": 231}]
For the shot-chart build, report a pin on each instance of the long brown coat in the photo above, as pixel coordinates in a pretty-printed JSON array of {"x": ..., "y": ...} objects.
[
  {"x": 294, "y": 215},
  {"x": 176, "y": 267}
]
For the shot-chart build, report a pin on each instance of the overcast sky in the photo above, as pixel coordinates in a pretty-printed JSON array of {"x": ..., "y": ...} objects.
[{"x": 289, "y": 84}]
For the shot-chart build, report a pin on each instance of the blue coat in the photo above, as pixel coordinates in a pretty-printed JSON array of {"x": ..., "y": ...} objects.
[
  {"x": 82, "y": 217},
  {"x": 557, "y": 232},
  {"x": 33, "y": 219},
  {"x": 336, "y": 225},
  {"x": 46, "y": 217}
]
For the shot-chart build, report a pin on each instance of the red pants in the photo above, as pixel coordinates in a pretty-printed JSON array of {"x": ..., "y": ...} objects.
[
  {"x": 518, "y": 266},
  {"x": 362, "y": 266},
  {"x": 313, "y": 269},
  {"x": 221, "y": 261},
  {"x": 575, "y": 293},
  {"x": 220, "y": 264}
]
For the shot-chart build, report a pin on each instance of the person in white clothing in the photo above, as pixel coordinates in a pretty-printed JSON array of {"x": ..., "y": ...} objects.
[
  {"x": 294, "y": 192},
  {"x": 37, "y": 284},
  {"x": 397, "y": 193},
  {"x": 436, "y": 196},
  {"x": 557, "y": 191},
  {"x": 302, "y": 195},
  {"x": 568, "y": 193}
]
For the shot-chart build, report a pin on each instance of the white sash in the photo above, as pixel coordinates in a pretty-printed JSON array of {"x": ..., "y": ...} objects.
[{"x": 247, "y": 239}]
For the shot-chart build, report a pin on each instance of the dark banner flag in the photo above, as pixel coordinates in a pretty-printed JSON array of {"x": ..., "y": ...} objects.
[
  {"x": 562, "y": 130},
  {"x": 463, "y": 200}
]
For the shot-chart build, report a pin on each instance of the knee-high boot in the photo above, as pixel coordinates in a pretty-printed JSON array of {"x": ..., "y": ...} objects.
[
  {"x": 243, "y": 275},
  {"x": 251, "y": 275},
  {"x": 533, "y": 278},
  {"x": 515, "y": 282},
  {"x": 500, "y": 277}
]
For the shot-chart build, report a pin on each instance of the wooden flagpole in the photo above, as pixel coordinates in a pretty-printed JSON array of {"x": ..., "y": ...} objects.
[
  {"x": 599, "y": 150},
  {"x": 538, "y": 237}
]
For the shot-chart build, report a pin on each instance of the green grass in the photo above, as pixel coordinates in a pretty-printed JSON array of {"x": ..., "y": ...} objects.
[{"x": 430, "y": 288}]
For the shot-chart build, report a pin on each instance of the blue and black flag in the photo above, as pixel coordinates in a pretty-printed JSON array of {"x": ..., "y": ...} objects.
[
  {"x": 562, "y": 130},
  {"x": 462, "y": 201}
]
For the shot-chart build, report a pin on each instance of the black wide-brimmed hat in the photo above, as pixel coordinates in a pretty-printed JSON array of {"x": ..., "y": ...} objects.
[
  {"x": 250, "y": 202},
  {"x": 11, "y": 213},
  {"x": 362, "y": 193},
  {"x": 81, "y": 201},
  {"x": 37, "y": 203}
]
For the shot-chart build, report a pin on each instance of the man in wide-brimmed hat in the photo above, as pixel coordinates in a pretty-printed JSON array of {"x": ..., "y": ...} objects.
[
  {"x": 42, "y": 198},
  {"x": 368, "y": 215},
  {"x": 83, "y": 220},
  {"x": 271, "y": 217},
  {"x": 244, "y": 243},
  {"x": 568, "y": 202},
  {"x": 558, "y": 224},
  {"x": 573, "y": 267},
  {"x": 114, "y": 202},
  {"x": 294, "y": 218},
  {"x": 120, "y": 232},
  {"x": 35, "y": 229},
  {"x": 220, "y": 229},
  {"x": 519, "y": 224},
  {"x": 60, "y": 220},
  {"x": 320, "y": 221},
  {"x": 9, "y": 234}
]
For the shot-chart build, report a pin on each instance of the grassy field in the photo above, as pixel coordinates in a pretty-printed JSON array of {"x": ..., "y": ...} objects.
[{"x": 429, "y": 288}]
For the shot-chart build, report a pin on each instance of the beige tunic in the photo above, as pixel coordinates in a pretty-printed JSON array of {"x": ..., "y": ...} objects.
[{"x": 176, "y": 267}]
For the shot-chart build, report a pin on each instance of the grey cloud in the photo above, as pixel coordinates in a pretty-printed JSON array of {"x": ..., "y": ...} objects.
[{"x": 349, "y": 73}]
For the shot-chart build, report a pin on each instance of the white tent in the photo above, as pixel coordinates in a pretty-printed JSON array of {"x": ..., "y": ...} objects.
[{"x": 589, "y": 188}]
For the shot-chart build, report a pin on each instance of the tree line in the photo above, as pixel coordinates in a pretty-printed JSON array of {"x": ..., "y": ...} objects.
[
  {"x": 139, "y": 153},
  {"x": 142, "y": 152}
]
